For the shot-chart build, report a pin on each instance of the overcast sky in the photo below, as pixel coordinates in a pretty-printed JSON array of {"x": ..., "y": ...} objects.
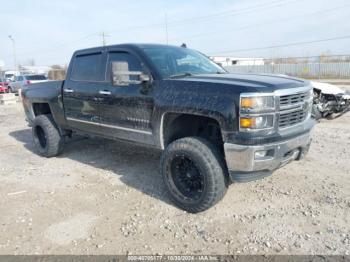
[{"x": 49, "y": 31}]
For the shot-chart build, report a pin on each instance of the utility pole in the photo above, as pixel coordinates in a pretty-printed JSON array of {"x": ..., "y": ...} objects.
[
  {"x": 166, "y": 29},
  {"x": 14, "y": 51},
  {"x": 104, "y": 36}
]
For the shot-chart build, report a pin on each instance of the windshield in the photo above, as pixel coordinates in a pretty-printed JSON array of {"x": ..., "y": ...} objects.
[
  {"x": 173, "y": 61},
  {"x": 35, "y": 77}
]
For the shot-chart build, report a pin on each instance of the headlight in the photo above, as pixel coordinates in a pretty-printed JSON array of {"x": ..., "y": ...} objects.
[
  {"x": 256, "y": 122},
  {"x": 257, "y": 112},
  {"x": 258, "y": 103}
]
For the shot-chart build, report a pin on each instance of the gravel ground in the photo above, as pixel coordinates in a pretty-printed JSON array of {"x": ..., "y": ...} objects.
[{"x": 105, "y": 197}]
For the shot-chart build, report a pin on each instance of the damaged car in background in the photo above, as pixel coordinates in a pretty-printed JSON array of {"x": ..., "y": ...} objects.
[{"x": 329, "y": 101}]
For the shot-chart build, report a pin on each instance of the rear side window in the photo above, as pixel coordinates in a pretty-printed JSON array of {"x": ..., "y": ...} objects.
[
  {"x": 36, "y": 77},
  {"x": 19, "y": 78},
  {"x": 87, "y": 67}
]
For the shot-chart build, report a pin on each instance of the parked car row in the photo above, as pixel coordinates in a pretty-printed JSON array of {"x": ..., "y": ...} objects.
[{"x": 23, "y": 81}]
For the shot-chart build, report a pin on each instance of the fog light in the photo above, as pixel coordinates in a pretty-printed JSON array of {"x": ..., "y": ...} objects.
[
  {"x": 247, "y": 122},
  {"x": 256, "y": 122},
  {"x": 260, "y": 154}
]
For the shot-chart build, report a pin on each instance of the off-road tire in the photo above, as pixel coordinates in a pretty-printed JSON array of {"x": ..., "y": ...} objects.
[
  {"x": 46, "y": 137},
  {"x": 210, "y": 164}
]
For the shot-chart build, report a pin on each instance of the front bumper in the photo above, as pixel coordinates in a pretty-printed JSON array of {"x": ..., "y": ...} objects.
[{"x": 245, "y": 165}]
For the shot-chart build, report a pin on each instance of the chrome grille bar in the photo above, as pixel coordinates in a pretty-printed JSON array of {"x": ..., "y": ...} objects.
[{"x": 293, "y": 108}]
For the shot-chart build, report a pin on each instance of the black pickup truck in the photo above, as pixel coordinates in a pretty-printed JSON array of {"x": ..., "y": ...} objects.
[{"x": 211, "y": 126}]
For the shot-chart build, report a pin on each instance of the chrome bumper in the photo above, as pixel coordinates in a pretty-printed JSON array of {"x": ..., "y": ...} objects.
[{"x": 243, "y": 162}]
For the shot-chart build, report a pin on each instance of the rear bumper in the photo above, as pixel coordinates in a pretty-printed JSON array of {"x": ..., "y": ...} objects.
[{"x": 245, "y": 164}]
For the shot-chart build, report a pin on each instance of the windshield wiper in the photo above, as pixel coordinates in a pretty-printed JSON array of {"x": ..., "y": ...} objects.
[{"x": 181, "y": 75}]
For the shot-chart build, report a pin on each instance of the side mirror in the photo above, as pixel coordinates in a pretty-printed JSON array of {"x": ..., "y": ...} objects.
[{"x": 121, "y": 75}]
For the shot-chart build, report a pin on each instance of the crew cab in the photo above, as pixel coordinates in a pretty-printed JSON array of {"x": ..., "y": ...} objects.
[{"x": 212, "y": 127}]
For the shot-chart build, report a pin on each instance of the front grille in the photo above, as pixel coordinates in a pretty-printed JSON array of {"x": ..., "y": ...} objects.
[
  {"x": 292, "y": 118},
  {"x": 293, "y": 99},
  {"x": 294, "y": 109}
]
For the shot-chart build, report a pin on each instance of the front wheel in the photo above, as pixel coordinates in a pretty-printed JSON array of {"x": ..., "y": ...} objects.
[
  {"x": 47, "y": 139},
  {"x": 194, "y": 174}
]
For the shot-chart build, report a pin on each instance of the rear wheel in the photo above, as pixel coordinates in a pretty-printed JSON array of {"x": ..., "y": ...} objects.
[
  {"x": 194, "y": 174},
  {"x": 47, "y": 139}
]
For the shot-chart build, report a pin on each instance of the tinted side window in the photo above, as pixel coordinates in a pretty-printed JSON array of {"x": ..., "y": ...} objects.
[
  {"x": 19, "y": 78},
  {"x": 134, "y": 63},
  {"x": 36, "y": 77},
  {"x": 87, "y": 67}
]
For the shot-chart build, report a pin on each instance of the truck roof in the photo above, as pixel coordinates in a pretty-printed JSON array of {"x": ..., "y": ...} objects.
[{"x": 126, "y": 45}]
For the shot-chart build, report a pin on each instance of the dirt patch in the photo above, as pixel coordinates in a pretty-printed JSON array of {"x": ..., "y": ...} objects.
[{"x": 70, "y": 230}]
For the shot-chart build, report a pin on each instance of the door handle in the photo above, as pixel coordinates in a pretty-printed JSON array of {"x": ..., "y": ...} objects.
[
  {"x": 68, "y": 90},
  {"x": 103, "y": 92}
]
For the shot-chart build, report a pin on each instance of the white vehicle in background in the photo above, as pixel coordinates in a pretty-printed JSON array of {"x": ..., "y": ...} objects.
[
  {"x": 10, "y": 75},
  {"x": 23, "y": 81},
  {"x": 330, "y": 101}
]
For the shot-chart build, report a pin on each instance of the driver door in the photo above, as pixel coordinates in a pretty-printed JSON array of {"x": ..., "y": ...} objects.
[{"x": 126, "y": 109}]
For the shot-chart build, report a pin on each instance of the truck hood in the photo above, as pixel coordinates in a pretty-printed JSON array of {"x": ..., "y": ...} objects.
[{"x": 253, "y": 82}]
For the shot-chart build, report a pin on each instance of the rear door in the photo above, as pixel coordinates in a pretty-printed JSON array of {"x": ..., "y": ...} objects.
[
  {"x": 80, "y": 91},
  {"x": 126, "y": 111}
]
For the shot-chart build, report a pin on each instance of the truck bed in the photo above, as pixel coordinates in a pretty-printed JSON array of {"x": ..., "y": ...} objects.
[{"x": 43, "y": 91}]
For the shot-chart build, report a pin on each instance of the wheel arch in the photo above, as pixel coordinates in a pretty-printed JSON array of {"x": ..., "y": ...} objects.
[
  {"x": 175, "y": 125},
  {"x": 41, "y": 108}
]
